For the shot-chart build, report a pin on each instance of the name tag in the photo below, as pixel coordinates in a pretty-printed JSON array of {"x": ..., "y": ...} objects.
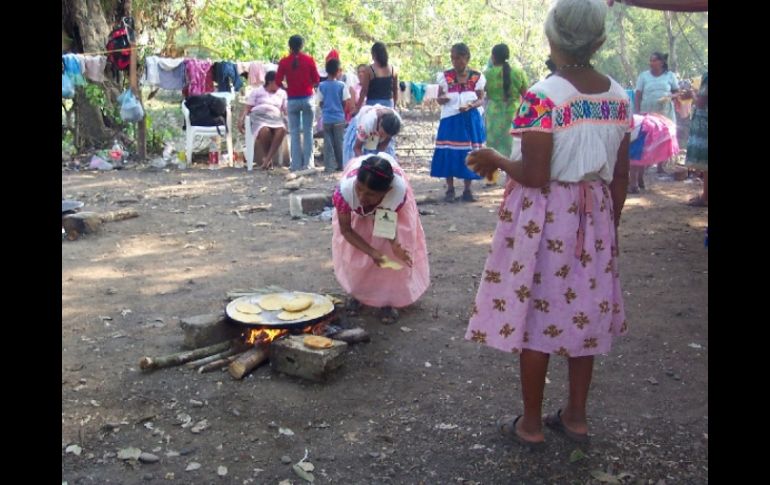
[
  {"x": 371, "y": 143},
  {"x": 385, "y": 222}
]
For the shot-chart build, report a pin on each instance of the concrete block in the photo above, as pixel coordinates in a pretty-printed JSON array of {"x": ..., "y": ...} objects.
[
  {"x": 290, "y": 356},
  {"x": 202, "y": 330}
]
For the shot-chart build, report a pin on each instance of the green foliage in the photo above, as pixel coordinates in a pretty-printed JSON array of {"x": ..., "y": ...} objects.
[{"x": 419, "y": 33}]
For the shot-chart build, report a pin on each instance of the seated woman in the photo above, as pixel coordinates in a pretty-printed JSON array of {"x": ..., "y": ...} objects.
[
  {"x": 371, "y": 131},
  {"x": 374, "y": 187},
  {"x": 266, "y": 107}
]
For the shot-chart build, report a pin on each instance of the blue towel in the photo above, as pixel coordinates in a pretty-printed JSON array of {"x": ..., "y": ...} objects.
[
  {"x": 72, "y": 69},
  {"x": 418, "y": 91}
]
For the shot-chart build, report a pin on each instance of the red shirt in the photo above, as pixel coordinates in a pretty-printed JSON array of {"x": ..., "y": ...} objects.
[{"x": 299, "y": 81}]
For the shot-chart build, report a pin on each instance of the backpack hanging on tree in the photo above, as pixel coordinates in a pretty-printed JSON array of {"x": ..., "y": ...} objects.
[
  {"x": 119, "y": 42},
  {"x": 207, "y": 110}
]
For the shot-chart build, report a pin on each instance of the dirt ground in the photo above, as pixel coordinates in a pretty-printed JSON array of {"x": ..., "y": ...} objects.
[{"x": 415, "y": 405}]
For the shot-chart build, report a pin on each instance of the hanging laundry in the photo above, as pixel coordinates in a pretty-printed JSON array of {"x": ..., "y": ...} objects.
[
  {"x": 226, "y": 76},
  {"x": 431, "y": 91},
  {"x": 151, "y": 71},
  {"x": 243, "y": 67},
  {"x": 72, "y": 69},
  {"x": 82, "y": 61},
  {"x": 256, "y": 73},
  {"x": 171, "y": 73},
  {"x": 94, "y": 67},
  {"x": 200, "y": 77},
  {"x": 418, "y": 91}
]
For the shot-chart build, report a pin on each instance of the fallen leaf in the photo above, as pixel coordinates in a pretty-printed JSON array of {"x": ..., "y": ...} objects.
[
  {"x": 286, "y": 431},
  {"x": 193, "y": 465},
  {"x": 605, "y": 477},
  {"x": 184, "y": 419},
  {"x": 406, "y": 329},
  {"x": 446, "y": 426},
  {"x": 576, "y": 455},
  {"x": 308, "y": 477},
  {"x": 200, "y": 426},
  {"x": 74, "y": 449},
  {"x": 129, "y": 453},
  {"x": 306, "y": 465}
]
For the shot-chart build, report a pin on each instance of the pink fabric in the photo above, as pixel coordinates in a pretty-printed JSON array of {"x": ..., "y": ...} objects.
[
  {"x": 272, "y": 103},
  {"x": 361, "y": 277},
  {"x": 585, "y": 207},
  {"x": 200, "y": 77},
  {"x": 660, "y": 141},
  {"x": 256, "y": 74},
  {"x": 535, "y": 292},
  {"x": 339, "y": 202}
]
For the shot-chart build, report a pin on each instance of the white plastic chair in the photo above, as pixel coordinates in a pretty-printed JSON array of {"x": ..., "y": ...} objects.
[
  {"x": 251, "y": 139},
  {"x": 209, "y": 131}
]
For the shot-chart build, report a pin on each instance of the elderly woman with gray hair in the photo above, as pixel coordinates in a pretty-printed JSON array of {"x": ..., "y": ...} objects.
[{"x": 551, "y": 283}]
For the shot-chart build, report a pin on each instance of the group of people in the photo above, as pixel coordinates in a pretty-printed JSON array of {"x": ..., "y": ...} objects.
[
  {"x": 655, "y": 138},
  {"x": 357, "y": 117},
  {"x": 551, "y": 281}
]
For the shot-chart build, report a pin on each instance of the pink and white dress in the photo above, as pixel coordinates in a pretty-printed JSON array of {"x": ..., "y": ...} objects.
[
  {"x": 356, "y": 272},
  {"x": 551, "y": 281}
]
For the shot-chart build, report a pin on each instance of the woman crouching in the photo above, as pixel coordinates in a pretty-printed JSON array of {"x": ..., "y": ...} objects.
[{"x": 378, "y": 244}]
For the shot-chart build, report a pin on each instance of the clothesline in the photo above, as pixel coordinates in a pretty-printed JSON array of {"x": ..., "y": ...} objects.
[{"x": 103, "y": 52}]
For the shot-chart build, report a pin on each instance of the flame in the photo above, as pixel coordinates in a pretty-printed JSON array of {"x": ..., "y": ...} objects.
[
  {"x": 261, "y": 336},
  {"x": 264, "y": 335}
]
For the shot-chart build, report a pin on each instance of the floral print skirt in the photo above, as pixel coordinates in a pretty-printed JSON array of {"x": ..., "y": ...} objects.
[{"x": 551, "y": 281}]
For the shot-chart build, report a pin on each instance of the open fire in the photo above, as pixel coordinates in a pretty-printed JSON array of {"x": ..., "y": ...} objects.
[{"x": 263, "y": 335}]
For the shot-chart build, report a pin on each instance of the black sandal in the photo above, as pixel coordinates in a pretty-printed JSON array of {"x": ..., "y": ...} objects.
[
  {"x": 388, "y": 315},
  {"x": 352, "y": 306},
  {"x": 507, "y": 427},
  {"x": 554, "y": 422}
]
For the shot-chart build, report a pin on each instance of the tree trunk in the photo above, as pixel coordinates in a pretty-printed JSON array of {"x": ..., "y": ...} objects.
[
  {"x": 84, "y": 22},
  {"x": 620, "y": 11},
  {"x": 672, "y": 61}
]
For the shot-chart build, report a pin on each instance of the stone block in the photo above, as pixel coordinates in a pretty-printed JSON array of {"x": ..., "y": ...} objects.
[
  {"x": 203, "y": 330},
  {"x": 290, "y": 356}
]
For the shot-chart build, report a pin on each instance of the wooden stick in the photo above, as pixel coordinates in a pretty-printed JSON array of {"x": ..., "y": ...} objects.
[
  {"x": 221, "y": 355},
  {"x": 248, "y": 361},
  {"x": 351, "y": 335},
  {"x": 218, "y": 364},
  {"x": 88, "y": 222},
  {"x": 148, "y": 363},
  {"x": 118, "y": 215}
]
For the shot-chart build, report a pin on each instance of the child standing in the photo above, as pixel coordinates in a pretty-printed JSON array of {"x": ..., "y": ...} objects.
[{"x": 333, "y": 94}]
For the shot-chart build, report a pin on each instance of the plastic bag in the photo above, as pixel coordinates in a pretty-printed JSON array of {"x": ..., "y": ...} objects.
[
  {"x": 130, "y": 109},
  {"x": 98, "y": 163},
  {"x": 67, "y": 89}
]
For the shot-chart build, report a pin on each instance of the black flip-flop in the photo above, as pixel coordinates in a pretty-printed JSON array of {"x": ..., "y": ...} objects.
[
  {"x": 554, "y": 422},
  {"x": 507, "y": 427}
]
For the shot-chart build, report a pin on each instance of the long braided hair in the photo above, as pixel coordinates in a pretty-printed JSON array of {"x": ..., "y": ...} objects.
[{"x": 501, "y": 54}]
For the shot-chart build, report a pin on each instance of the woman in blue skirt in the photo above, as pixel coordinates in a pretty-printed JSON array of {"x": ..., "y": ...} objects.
[{"x": 461, "y": 129}]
